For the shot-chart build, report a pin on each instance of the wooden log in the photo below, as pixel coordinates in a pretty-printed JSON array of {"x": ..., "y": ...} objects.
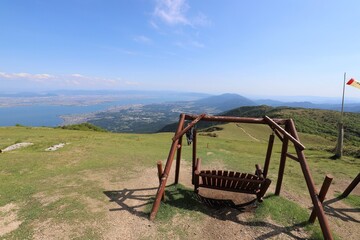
[
  {"x": 194, "y": 154},
  {"x": 209, "y": 118},
  {"x": 161, "y": 189},
  {"x": 187, "y": 128},
  {"x": 311, "y": 186},
  {"x": 292, "y": 157},
  {"x": 268, "y": 155},
  {"x": 284, "y": 150},
  {"x": 351, "y": 186},
  {"x": 323, "y": 191},
  {"x": 272, "y": 123},
  {"x": 178, "y": 159},
  {"x": 278, "y": 134},
  {"x": 160, "y": 173}
]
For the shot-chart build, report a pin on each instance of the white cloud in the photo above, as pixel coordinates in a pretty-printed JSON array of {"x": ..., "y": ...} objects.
[
  {"x": 77, "y": 75},
  {"x": 142, "y": 39},
  {"x": 172, "y": 11},
  {"x": 68, "y": 80},
  {"x": 41, "y": 76}
]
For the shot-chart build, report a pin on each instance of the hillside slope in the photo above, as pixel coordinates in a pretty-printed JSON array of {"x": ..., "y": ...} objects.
[
  {"x": 99, "y": 181},
  {"x": 310, "y": 121},
  {"x": 313, "y": 121}
]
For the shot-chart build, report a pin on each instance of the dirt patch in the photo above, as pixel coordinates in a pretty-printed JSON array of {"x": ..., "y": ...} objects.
[
  {"x": 45, "y": 199},
  {"x": 8, "y": 218}
]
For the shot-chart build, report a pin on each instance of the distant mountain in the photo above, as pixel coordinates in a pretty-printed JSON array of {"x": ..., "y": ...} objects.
[
  {"x": 224, "y": 102},
  {"x": 348, "y": 107}
]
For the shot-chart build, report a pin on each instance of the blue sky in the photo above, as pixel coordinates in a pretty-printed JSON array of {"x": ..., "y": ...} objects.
[{"x": 254, "y": 48}]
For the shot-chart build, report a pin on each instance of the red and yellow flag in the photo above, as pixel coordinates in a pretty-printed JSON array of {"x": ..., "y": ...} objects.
[{"x": 353, "y": 83}]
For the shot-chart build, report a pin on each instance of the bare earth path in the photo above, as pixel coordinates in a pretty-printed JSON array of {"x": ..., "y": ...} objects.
[
  {"x": 127, "y": 213},
  {"x": 125, "y": 217}
]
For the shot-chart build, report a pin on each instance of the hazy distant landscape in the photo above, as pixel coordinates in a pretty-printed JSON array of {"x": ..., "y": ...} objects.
[{"x": 132, "y": 111}]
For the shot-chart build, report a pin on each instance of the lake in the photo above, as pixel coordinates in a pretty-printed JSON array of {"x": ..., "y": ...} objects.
[{"x": 44, "y": 115}]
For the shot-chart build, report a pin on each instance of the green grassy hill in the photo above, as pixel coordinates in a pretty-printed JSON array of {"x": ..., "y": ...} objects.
[
  {"x": 314, "y": 121},
  {"x": 66, "y": 187},
  {"x": 311, "y": 121}
]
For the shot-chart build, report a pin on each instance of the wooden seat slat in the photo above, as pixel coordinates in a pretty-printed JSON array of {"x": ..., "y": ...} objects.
[
  {"x": 212, "y": 179},
  {"x": 242, "y": 181},
  {"x": 233, "y": 182},
  {"x": 249, "y": 184},
  {"x": 230, "y": 182},
  {"x": 225, "y": 174},
  {"x": 219, "y": 180}
]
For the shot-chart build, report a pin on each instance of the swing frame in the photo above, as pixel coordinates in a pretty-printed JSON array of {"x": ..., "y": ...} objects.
[{"x": 286, "y": 135}]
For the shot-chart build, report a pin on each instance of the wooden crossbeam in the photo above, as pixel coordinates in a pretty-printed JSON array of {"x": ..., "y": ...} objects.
[{"x": 190, "y": 125}]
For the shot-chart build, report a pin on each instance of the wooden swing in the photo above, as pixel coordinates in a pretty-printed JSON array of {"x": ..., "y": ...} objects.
[
  {"x": 257, "y": 183},
  {"x": 231, "y": 181}
]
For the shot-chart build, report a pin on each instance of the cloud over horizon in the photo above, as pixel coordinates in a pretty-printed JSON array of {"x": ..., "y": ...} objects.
[{"x": 75, "y": 80}]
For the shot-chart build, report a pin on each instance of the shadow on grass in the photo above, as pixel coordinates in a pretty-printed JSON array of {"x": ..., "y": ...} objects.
[
  {"x": 179, "y": 199},
  {"x": 131, "y": 200},
  {"x": 341, "y": 213},
  {"x": 225, "y": 210}
]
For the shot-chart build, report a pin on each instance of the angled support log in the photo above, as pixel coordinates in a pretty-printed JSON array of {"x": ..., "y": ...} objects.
[
  {"x": 311, "y": 186},
  {"x": 351, "y": 186},
  {"x": 165, "y": 175},
  {"x": 292, "y": 157},
  {"x": 323, "y": 191},
  {"x": 190, "y": 125},
  {"x": 268, "y": 155},
  {"x": 284, "y": 150},
  {"x": 272, "y": 123}
]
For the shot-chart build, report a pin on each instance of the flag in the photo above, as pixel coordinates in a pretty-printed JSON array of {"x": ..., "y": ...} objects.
[{"x": 353, "y": 83}]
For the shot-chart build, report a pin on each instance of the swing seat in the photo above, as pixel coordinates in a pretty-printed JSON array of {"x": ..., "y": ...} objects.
[{"x": 231, "y": 181}]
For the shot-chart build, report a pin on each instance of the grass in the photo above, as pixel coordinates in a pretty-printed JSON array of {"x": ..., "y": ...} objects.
[
  {"x": 287, "y": 213},
  {"x": 41, "y": 182},
  {"x": 178, "y": 200}
]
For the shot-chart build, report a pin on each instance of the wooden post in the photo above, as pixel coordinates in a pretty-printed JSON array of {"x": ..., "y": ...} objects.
[
  {"x": 178, "y": 159},
  {"x": 282, "y": 162},
  {"x": 323, "y": 191},
  {"x": 351, "y": 186},
  {"x": 160, "y": 172},
  {"x": 311, "y": 186},
  {"x": 268, "y": 155},
  {"x": 165, "y": 175},
  {"x": 193, "y": 155}
]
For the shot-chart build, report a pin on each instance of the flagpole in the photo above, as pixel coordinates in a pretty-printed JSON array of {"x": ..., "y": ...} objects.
[
  {"x": 343, "y": 96},
  {"x": 340, "y": 142}
]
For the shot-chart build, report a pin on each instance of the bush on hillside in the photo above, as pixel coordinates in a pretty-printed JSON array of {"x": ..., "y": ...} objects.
[{"x": 83, "y": 127}]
